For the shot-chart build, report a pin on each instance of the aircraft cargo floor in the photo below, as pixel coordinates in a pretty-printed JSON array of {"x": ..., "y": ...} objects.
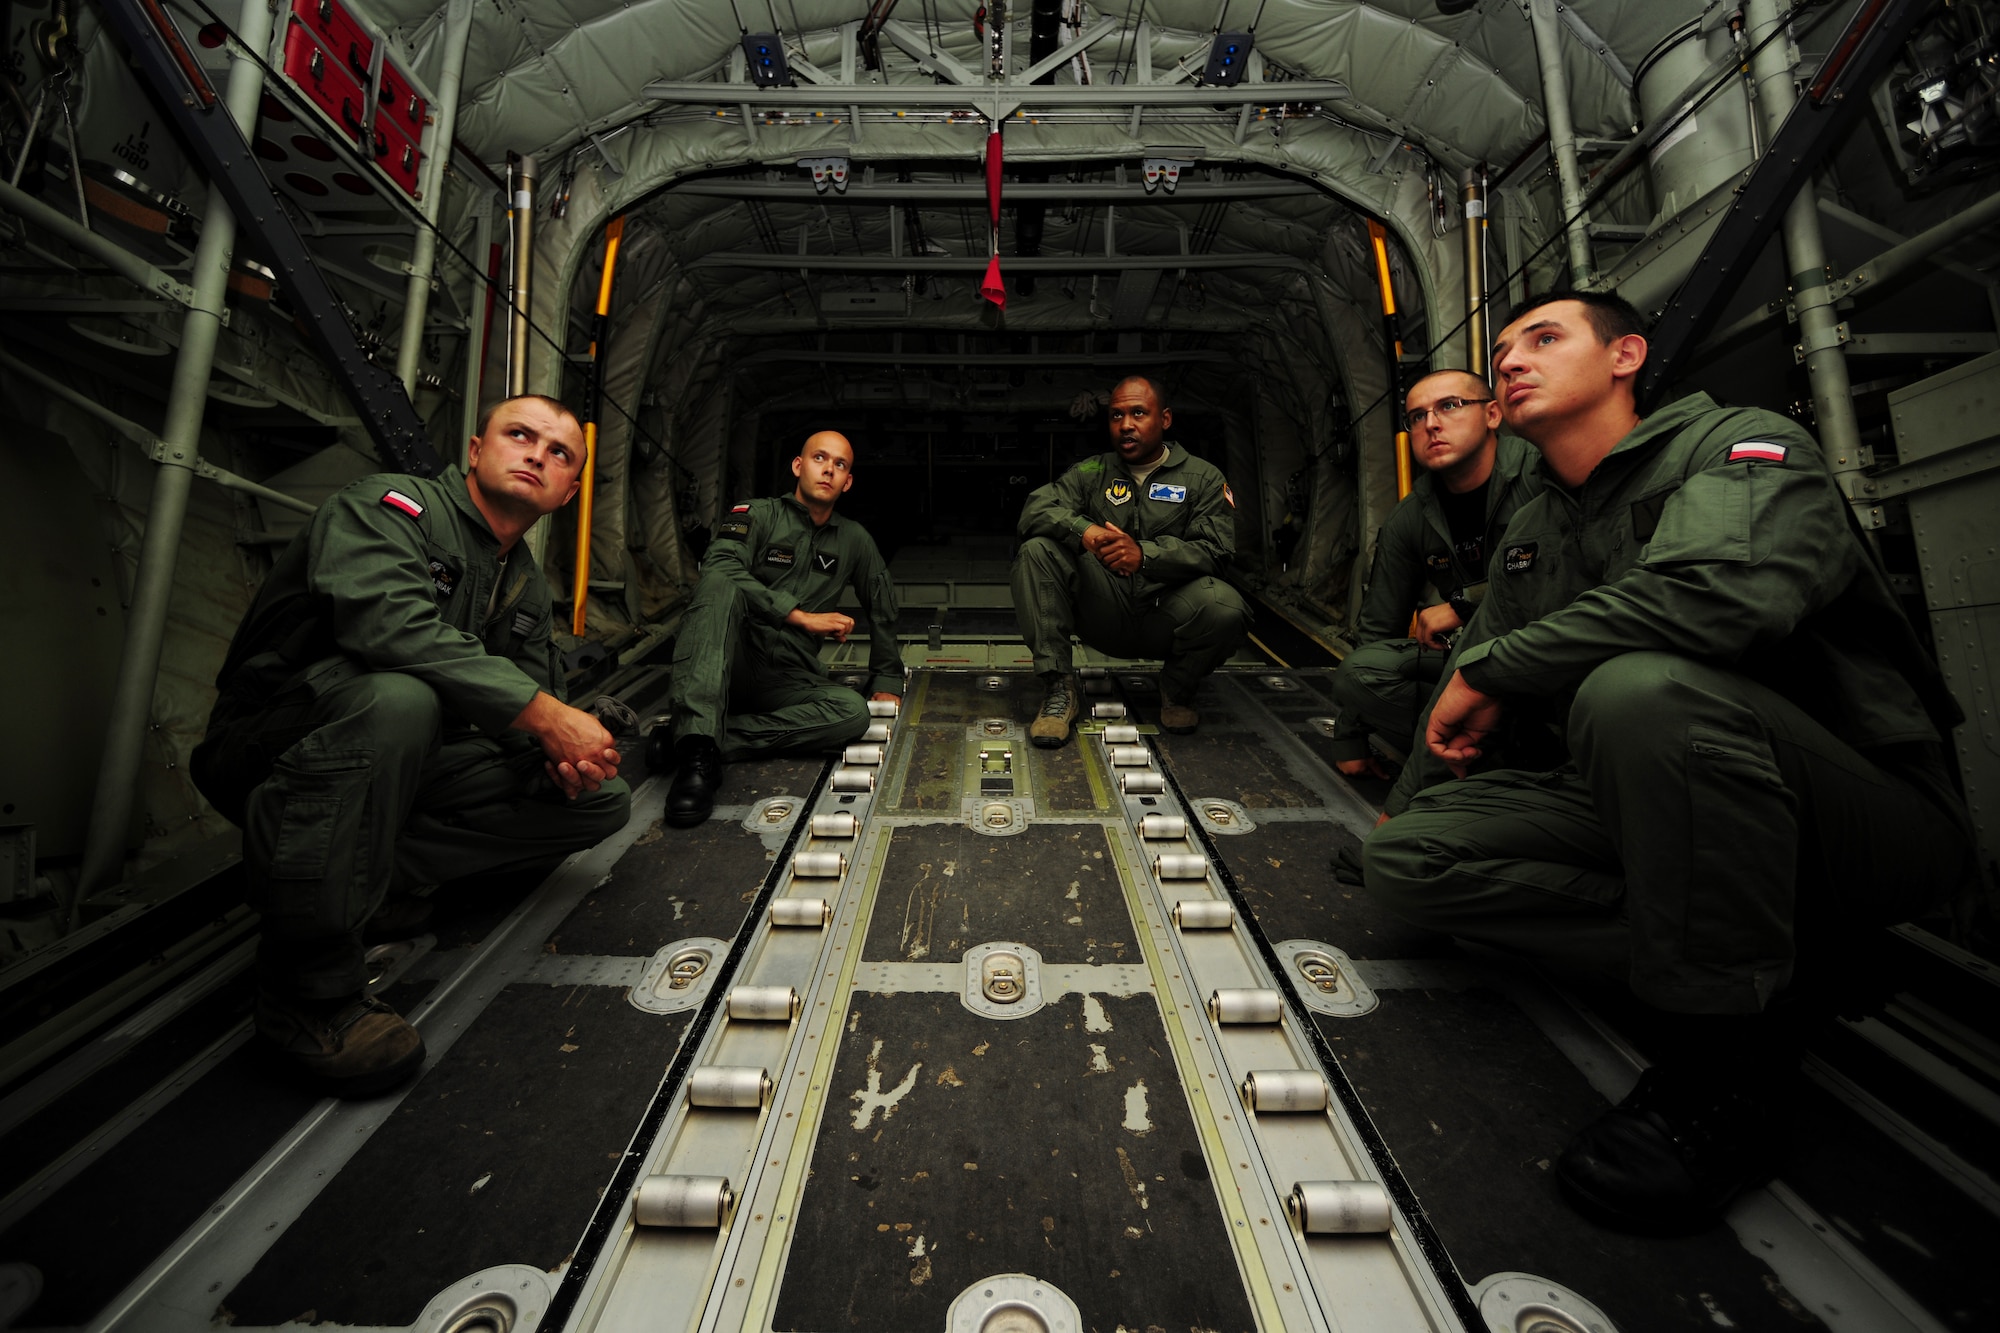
[{"x": 996, "y": 1088}]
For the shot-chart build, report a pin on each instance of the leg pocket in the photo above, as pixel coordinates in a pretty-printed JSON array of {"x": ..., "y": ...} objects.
[
  {"x": 309, "y": 825},
  {"x": 1743, "y": 852}
]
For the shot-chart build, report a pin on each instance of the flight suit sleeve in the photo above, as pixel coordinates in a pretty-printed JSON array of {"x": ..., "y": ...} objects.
[
  {"x": 1395, "y": 578},
  {"x": 1743, "y": 551},
  {"x": 1058, "y": 510},
  {"x": 876, "y": 592},
  {"x": 737, "y": 540},
  {"x": 367, "y": 559},
  {"x": 1203, "y": 547}
]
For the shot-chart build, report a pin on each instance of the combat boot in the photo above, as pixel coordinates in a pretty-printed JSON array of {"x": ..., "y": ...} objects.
[
  {"x": 1060, "y": 707},
  {"x": 697, "y": 776},
  {"x": 352, "y": 1047},
  {"x": 1178, "y": 718}
]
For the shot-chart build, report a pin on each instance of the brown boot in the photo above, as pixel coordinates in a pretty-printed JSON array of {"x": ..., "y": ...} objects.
[
  {"x": 345, "y": 1048},
  {"x": 1178, "y": 718},
  {"x": 1060, "y": 707}
]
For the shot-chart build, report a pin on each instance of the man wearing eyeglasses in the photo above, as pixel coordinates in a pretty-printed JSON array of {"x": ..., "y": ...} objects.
[{"x": 1441, "y": 535}]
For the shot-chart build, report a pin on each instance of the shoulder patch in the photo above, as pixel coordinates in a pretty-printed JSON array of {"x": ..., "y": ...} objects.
[
  {"x": 1166, "y": 492},
  {"x": 1229, "y": 495},
  {"x": 1520, "y": 558},
  {"x": 398, "y": 500},
  {"x": 1091, "y": 465},
  {"x": 1758, "y": 451},
  {"x": 740, "y": 509}
]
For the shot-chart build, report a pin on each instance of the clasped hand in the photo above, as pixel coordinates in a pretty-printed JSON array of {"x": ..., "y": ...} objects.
[
  {"x": 579, "y": 757},
  {"x": 1114, "y": 547}
]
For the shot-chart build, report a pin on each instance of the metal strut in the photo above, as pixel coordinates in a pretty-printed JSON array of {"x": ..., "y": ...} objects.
[
  {"x": 184, "y": 96},
  {"x": 1838, "y": 92}
]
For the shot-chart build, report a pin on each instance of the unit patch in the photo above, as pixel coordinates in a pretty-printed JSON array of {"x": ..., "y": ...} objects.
[
  {"x": 398, "y": 500},
  {"x": 1118, "y": 492},
  {"x": 781, "y": 556},
  {"x": 443, "y": 577},
  {"x": 826, "y": 564},
  {"x": 1758, "y": 451},
  {"x": 1163, "y": 491},
  {"x": 733, "y": 528},
  {"x": 1517, "y": 559},
  {"x": 1439, "y": 564}
]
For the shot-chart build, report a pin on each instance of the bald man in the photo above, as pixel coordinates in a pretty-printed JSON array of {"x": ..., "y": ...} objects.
[
  {"x": 1442, "y": 534},
  {"x": 747, "y": 675}
]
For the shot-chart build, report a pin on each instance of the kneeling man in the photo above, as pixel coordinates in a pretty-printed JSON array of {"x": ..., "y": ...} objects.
[
  {"x": 1697, "y": 751},
  {"x": 747, "y": 674},
  {"x": 1126, "y": 550},
  {"x": 391, "y": 714}
]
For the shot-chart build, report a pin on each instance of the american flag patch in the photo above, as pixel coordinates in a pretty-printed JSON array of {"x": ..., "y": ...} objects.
[
  {"x": 398, "y": 500},
  {"x": 1758, "y": 451}
]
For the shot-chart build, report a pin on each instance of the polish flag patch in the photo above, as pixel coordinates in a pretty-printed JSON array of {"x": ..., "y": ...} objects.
[
  {"x": 398, "y": 500},
  {"x": 1758, "y": 451}
]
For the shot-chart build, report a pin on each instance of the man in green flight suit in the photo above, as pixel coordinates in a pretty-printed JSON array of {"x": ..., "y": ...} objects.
[
  {"x": 391, "y": 713},
  {"x": 1127, "y": 549},
  {"x": 1442, "y": 533},
  {"x": 747, "y": 674},
  {"x": 1697, "y": 748}
]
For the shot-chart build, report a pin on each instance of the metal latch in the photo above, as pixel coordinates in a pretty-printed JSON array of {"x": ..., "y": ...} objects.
[
  {"x": 684, "y": 967},
  {"x": 1002, "y": 978},
  {"x": 1320, "y": 971}
]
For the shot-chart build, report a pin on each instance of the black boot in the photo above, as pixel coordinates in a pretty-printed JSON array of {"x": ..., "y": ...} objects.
[{"x": 697, "y": 776}]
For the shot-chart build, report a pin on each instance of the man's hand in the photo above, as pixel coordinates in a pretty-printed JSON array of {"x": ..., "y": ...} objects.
[
  {"x": 1461, "y": 720},
  {"x": 580, "y": 757},
  {"x": 1118, "y": 552},
  {"x": 1366, "y": 766},
  {"x": 1434, "y": 622},
  {"x": 827, "y": 624}
]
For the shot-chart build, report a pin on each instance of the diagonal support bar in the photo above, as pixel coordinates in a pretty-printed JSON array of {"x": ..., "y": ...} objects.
[
  {"x": 226, "y": 159},
  {"x": 1839, "y": 92}
]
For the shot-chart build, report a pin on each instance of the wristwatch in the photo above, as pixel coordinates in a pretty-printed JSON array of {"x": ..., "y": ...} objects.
[{"x": 1460, "y": 607}]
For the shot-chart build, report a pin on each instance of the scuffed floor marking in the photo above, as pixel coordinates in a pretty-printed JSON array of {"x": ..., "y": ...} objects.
[
  {"x": 872, "y": 1098},
  {"x": 1136, "y": 1118},
  {"x": 1099, "y": 1063},
  {"x": 1094, "y": 1017}
]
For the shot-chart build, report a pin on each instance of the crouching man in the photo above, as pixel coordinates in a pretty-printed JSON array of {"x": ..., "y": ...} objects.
[
  {"x": 747, "y": 674},
  {"x": 391, "y": 714},
  {"x": 1126, "y": 551},
  {"x": 1697, "y": 751}
]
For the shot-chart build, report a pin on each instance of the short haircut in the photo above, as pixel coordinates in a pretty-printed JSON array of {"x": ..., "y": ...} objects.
[
  {"x": 1159, "y": 399},
  {"x": 1611, "y": 315},
  {"x": 555, "y": 404},
  {"x": 1446, "y": 370}
]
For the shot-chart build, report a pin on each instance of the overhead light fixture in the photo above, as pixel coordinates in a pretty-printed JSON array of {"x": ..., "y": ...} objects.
[
  {"x": 1228, "y": 58},
  {"x": 766, "y": 53}
]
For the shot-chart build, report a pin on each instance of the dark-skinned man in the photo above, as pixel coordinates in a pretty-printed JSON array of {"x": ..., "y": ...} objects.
[
  {"x": 747, "y": 676},
  {"x": 1696, "y": 749},
  {"x": 392, "y": 713},
  {"x": 1472, "y": 481},
  {"x": 1126, "y": 549}
]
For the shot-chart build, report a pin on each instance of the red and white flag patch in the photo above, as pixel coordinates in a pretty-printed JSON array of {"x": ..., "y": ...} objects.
[
  {"x": 1758, "y": 451},
  {"x": 398, "y": 500}
]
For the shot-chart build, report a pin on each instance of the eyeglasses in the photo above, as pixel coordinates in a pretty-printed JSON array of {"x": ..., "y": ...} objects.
[{"x": 1416, "y": 417}]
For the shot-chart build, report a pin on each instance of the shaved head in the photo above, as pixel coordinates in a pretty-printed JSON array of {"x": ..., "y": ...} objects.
[{"x": 825, "y": 469}]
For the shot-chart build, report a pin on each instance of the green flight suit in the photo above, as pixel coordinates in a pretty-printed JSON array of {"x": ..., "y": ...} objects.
[
  {"x": 361, "y": 732},
  {"x": 1176, "y": 607},
  {"x": 1387, "y": 679},
  {"x": 745, "y": 677},
  {"x": 1721, "y": 754}
]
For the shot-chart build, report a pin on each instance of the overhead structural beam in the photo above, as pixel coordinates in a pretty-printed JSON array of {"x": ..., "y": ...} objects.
[
  {"x": 883, "y": 360},
  {"x": 899, "y": 264},
  {"x": 970, "y": 192},
  {"x": 225, "y": 158},
  {"x": 1562, "y": 139},
  {"x": 996, "y": 100},
  {"x": 915, "y": 43},
  {"x": 1063, "y": 55},
  {"x": 1838, "y": 93}
]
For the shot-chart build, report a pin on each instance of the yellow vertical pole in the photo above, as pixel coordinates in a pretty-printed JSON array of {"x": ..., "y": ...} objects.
[
  {"x": 1380, "y": 237},
  {"x": 614, "y": 231}
]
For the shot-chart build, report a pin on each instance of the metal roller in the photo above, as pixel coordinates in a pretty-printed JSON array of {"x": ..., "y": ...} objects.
[
  {"x": 1131, "y": 756},
  {"x": 732, "y": 1087},
  {"x": 1121, "y": 733},
  {"x": 1339, "y": 1207},
  {"x": 1142, "y": 784},
  {"x": 1163, "y": 826},
  {"x": 1097, "y": 685},
  {"x": 840, "y": 824},
  {"x": 862, "y": 754},
  {"x": 683, "y": 1201},
  {"x": 1284, "y": 1090},
  {"x": 1180, "y": 865},
  {"x": 877, "y": 733},
  {"x": 1246, "y": 1006},
  {"x": 814, "y": 912},
  {"x": 764, "y": 1004},
  {"x": 1204, "y": 914},
  {"x": 1107, "y": 710},
  {"x": 853, "y": 779},
  {"x": 1091, "y": 673},
  {"x": 819, "y": 865},
  {"x": 883, "y": 707}
]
